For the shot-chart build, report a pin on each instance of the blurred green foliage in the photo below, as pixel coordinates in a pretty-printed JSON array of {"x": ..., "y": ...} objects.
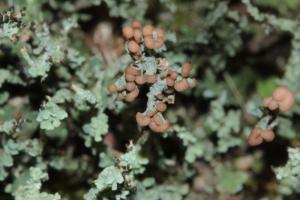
[{"x": 282, "y": 6}]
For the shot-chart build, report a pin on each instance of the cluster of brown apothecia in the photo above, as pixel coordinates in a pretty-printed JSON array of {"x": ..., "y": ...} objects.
[
  {"x": 163, "y": 79},
  {"x": 151, "y": 37},
  {"x": 283, "y": 99},
  {"x": 153, "y": 117},
  {"x": 258, "y": 135}
]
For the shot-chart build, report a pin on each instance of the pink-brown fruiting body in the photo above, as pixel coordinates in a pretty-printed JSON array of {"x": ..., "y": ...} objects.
[
  {"x": 133, "y": 70},
  {"x": 181, "y": 85},
  {"x": 186, "y": 69},
  {"x": 112, "y": 88},
  {"x": 258, "y": 135},
  {"x": 161, "y": 107},
  {"x": 282, "y": 98},
  {"x": 147, "y": 30},
  {"x": 130, "y": 86},
  {"x": 137, "y": 34},
  {"x": 133, "y": 47},
  {"x": 127, "y": 32},
  {"x": 140, "y": 80},
  {"x": 129, "y": 77},
  {"x": 142, "y": 120},
  {"x": 136, "y": 24}
]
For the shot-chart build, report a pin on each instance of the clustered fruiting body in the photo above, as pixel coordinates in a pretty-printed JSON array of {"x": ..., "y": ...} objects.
[
  {"x": 282, "y": 99},
  {"x": 258, "y": 135},
  {"x": 139, "y": 37},
  {"x": 162, "y": 77}
]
